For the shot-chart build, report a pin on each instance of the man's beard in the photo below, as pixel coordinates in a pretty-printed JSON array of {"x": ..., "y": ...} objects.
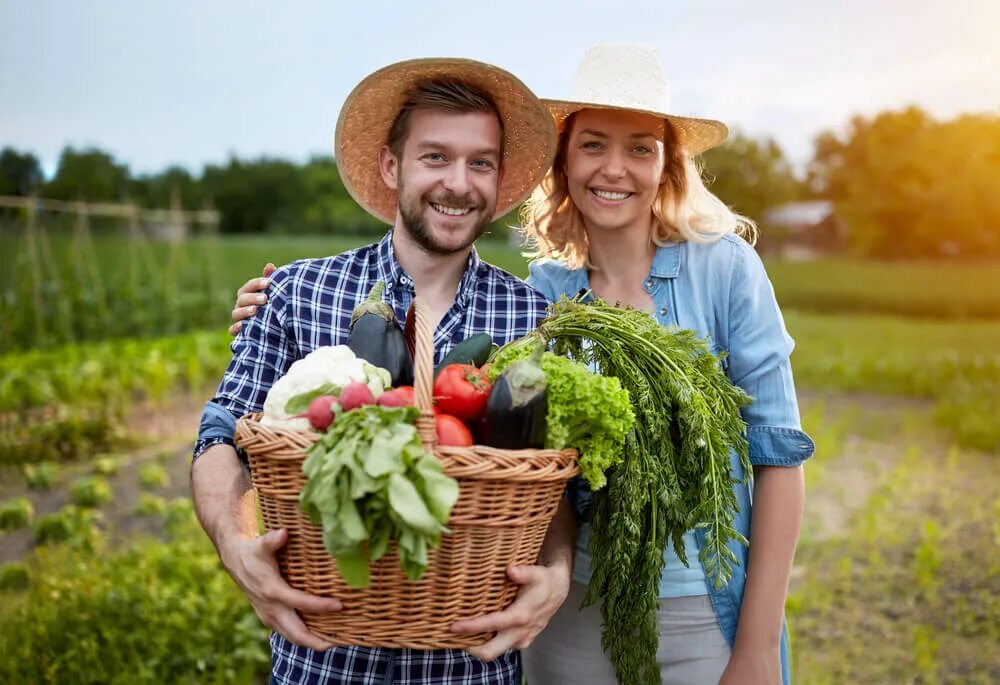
[{"x": 416, "y": 225}]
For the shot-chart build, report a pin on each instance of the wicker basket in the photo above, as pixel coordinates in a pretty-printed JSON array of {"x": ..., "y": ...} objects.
[{"x": 506, "y": 500}]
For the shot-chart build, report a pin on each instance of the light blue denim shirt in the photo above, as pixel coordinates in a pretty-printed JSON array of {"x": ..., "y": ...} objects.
[{"x": 721, "y": 291}]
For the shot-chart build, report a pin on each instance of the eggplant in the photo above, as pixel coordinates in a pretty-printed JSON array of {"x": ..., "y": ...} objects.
[
  {"x": 375, "y": 336},
  {"x": 516, "y": 410}
]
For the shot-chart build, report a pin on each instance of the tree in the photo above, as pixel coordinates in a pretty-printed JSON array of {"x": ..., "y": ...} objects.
[
  {"x": 257, "y": 196},
  {"x": 909, "y": 186},
  {"x": 158, "y": 190},
  {"x": 88, "y": 175},
  {"x": 328, "y": 207},
  {"x": 20, "y": 173},
  {"x": 750, "y": 175}
]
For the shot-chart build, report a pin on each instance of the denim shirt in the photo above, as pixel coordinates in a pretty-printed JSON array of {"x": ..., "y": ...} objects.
[{"x": 721, "y": 291}]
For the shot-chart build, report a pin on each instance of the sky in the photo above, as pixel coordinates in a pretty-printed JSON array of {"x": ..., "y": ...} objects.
[{"x": 158, "y": 83}]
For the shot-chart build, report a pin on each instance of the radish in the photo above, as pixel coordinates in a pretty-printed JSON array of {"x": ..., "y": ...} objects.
[
  {"x": 355, "y": 395},
  {"x": 320, "y": 412}
]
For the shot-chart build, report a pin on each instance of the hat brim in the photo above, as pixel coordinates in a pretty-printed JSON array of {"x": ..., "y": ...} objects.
[
  {"x": 696, "y": 135},
  {"x": 371, "y": 108}
]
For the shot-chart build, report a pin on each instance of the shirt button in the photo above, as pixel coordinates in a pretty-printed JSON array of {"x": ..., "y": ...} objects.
[
  {"x": 649, "y": 284},
  {"x": 663, "y": 311}
]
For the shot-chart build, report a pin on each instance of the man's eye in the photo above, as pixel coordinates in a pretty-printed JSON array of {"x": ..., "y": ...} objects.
[
  {"x": 434, "y": 157},
  {"x": 483, "y": 164}
]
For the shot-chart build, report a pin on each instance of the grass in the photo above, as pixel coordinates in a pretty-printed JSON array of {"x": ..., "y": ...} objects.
[
  {"x": 71, "y": 402},
  {"x": 70, "y": 286},
  {"x": 936, "y": 290},
  {"x": 955, "y": 363},
  {"x": 908, "y": 588},
  {"x": 74, "y": 288}
]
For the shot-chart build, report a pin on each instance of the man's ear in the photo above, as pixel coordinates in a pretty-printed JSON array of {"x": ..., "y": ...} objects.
[{"x": 388, "y": 166}]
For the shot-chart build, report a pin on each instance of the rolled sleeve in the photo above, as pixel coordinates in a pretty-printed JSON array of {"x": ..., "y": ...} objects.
[
  {"x": 758, "y": 362},
  {"x": 217, "y": 427},
  {"x": 777, "y": 446}
]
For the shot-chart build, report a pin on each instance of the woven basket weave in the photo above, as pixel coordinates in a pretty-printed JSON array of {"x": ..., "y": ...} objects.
[{"x": 506, "y": 500}]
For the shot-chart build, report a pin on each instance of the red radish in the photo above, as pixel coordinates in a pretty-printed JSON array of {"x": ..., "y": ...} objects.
[
  {"x": 355, "y": 395},
  {"x": 320, "y": 412},
  {"x": 397, "y": 397}
]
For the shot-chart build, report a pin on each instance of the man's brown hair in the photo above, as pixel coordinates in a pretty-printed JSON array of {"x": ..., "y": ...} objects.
[{"x": 451, "y": 96}]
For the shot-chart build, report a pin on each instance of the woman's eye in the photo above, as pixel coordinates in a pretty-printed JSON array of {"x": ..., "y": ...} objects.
[
  {"x": 641, "y": 150},
  {"x": 592, "y": 145}
]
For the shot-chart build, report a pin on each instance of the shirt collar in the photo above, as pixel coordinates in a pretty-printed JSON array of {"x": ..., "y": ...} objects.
[
  {"x": 391, "y": 272},
  {"x": 667, "y": 261}
]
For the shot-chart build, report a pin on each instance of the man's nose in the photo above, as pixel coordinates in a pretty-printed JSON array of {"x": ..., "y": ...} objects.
[{"x": 457, "y": 179}]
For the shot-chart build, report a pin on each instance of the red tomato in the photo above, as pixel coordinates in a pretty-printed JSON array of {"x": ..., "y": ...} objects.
[
  {"x": 397, "y": 397},
  {"x": 462, "y": 390},
  {"x": 451, "y": 432}
]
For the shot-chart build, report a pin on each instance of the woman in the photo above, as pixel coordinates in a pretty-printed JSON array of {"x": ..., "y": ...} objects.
[{"x": 623, "y": 213}]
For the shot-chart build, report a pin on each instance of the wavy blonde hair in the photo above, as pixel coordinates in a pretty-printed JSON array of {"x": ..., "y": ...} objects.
[{"x": 684, "y": 209}]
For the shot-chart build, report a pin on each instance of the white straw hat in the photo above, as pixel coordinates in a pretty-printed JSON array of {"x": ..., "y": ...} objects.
[
  {"x": 629, "y": 77},
  {"x": 372, "y": 107}
]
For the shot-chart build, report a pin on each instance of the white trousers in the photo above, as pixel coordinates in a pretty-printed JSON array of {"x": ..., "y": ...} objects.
[{"x": 692, "y": 649}]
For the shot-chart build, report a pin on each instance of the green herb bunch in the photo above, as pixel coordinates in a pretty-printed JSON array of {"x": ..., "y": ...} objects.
[
  {"x": 675, "y": 474},
  {"x": 371, "y": 481}
]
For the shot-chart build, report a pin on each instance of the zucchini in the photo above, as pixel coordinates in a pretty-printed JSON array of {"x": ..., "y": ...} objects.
[{"x": 473, "y": 350}]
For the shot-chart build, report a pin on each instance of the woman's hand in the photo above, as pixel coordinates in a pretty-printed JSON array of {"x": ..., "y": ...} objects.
[
  {"x": 249, "y": 297},
  {"x": 752, "y": 667}
]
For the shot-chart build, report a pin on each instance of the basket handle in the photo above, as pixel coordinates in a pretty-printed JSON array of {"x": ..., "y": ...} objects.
[{"x": 423, "y": 373}]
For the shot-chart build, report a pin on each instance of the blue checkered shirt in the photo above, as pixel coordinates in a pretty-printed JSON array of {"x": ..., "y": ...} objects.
[{"x": 310, "y": 304}]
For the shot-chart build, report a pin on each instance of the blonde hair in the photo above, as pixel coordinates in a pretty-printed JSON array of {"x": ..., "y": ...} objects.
[{"x": 684, "y": 209}]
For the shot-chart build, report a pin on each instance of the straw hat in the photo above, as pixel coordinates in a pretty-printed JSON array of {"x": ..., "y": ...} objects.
[
  {"x": 370, "y": 109},
  {"x": 622, "y": 76}
]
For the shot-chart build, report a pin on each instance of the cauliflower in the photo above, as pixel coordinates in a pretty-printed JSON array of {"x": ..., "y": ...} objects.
[{"x": 324, "y": 371}]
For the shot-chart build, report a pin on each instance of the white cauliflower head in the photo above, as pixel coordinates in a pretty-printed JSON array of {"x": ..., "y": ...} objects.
[{"x": 327, "y": 369}]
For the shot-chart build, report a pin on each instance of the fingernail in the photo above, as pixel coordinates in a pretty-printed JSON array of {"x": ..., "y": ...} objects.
[
  {"x": 261, "y": 299},
  {"x": 264, "y": 282},
  {"x": 253, "y": 311}
]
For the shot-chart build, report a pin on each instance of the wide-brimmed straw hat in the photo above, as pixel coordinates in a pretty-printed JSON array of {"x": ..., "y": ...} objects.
[
  {"x": 372, "y": 107},
  {"x": 629, "y": 77}
]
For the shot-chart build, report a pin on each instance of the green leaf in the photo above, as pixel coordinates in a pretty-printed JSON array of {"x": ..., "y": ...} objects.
[
  {"x": 299, "y": 403},
  {"x": 353, "y": 568},
  {"x": 405, "y": 500},
  {"x": 386, "y": 454},
  {"x": 441, "y": 491}
]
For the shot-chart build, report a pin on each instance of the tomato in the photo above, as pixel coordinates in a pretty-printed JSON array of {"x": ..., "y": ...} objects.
[
  {"x": 462, "y": 390},
  {"x": 397, "y": 397},
  {"x": 451, "y": 432}
]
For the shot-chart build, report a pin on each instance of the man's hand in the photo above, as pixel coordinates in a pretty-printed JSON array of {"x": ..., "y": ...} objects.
[
  {"x": 253, "y": 565},
  {"x": 543, "y": 590},
  {"x": 248, "y": 297}
]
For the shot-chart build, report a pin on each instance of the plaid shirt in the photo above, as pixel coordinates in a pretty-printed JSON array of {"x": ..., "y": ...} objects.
[{"x": 310, "y": 304}]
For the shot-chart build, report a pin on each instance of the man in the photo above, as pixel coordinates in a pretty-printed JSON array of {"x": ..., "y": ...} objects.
[{"x": 437, "y": 148}]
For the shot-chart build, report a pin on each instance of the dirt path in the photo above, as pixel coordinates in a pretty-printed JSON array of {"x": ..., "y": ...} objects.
[{"x": 164, "y": 435}]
